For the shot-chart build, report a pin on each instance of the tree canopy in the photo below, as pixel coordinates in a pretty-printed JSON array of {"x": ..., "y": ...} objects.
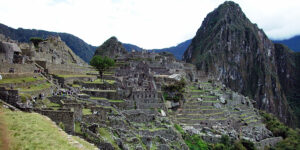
[
  {"x": 102, "y": 64},
  {"x": 36, "y": 40}
]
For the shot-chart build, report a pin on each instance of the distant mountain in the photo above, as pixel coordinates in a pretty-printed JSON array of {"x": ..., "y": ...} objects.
[
  {"x": 230, "y": 48},
  {"x": 293, "y": 43},
  {"x": 177, "y": 51},
  {"x": 130, "y": 47},
  {"x": 111, "y": 48},
  {"x": 80, "y": 48}
]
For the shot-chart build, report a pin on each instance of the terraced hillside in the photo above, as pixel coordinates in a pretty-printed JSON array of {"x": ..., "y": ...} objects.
[{"x": 212, "y": 110}]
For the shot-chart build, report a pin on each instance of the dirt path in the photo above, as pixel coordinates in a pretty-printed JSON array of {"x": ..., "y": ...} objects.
[{"x": 4, "y": 136}]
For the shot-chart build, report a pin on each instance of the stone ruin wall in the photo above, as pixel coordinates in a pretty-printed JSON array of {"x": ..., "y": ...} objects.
[
  {"x": 77, "y": 108},
  {"x": 19, "y": 69},
  {"x": 9, "y": 96},
  {"x": 63, "y": 116},
  {"x": 66, "y": 69}
]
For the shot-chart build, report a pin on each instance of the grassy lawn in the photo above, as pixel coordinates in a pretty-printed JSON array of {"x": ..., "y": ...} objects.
[
  {"x": 100, "y": 81},
  {"x": 98, "y": 98},
  {"x": 73, "y": 75},
  {"x": 20, "y": 80},
  {"x": 86, "y": 111},
  {"x": 76, "y": 85},
  {"x": 116, "y": 101},
  {"x": 33, "y": 131},
  {"x": 36, "y": 87}
]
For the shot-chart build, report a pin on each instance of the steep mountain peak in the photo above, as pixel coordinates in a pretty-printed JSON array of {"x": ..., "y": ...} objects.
[
  {"x": 230, "y": 48},
  {"x": 111, "y": 48}
]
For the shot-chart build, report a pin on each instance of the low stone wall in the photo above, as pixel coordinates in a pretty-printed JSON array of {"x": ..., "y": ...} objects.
[
  {"x": 9, "y": 96},
  {"x": 150, "y": 105},
  {"x": 66, "y": 69},
  {"x": 18, "y": 68},
  {"x": 138, "y": 116},
  {"x": 104, "y": 86},
  {"x": 77, "y": 109},
  {"x": 106, "y": 94},
  {"x": 136, "y": 95},
  {"x": 57, "y": 99},
  {"x": 149, "y": 100},
  {"x": 90, "y": 119},
  {"x": 65, "y": 117},
  {"x": 70, "y": 80},
  {"x": 17, "y": 75},
  {"x": 124, "y": 105}
]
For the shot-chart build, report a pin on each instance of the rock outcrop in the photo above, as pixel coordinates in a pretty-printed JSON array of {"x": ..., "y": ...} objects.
[
  {"x": 55, "y": 51},
  {"x": 232, "y": 49}
]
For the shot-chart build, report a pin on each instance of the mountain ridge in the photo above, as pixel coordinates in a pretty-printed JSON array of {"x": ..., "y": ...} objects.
[
  {"x": 80, "y": 48},
  {"x": 293, "y": 43}
]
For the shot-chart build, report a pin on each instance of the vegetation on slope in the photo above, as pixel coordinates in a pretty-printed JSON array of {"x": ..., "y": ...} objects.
[
  {"x": 195, "y": 142},
  {"x": 34, "y": 131},
  {"x": 291, "y": 138}
]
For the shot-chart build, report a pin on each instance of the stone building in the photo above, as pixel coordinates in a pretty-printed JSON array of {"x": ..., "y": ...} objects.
[{"x": 10, "y": 53}]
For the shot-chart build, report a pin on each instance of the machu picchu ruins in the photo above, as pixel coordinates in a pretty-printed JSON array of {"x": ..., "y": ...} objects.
[
  {"x": 234, "y": 89},
  {"x": 134, "y": 104}
]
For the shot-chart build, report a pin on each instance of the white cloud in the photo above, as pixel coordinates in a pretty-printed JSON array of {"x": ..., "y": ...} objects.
[{"x": 146, "y": 23}]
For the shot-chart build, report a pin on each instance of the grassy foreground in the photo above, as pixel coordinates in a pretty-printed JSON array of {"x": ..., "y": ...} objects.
[{"x": 36, "y": 132}]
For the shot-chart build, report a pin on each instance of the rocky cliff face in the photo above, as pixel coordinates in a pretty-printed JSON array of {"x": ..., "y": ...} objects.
[
  {"x": 232, "y": 49},
  {"x": 288, "y": 66},
  {"x": 111, "y": 48}
]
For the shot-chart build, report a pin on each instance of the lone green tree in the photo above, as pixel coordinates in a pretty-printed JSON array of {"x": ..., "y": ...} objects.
[
  {"x": 36, "y": 40},
  {"x": 102, "y": 64}
]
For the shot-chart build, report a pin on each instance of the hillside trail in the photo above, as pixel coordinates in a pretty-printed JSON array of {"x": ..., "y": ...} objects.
[{"x": 4, "y": 136}]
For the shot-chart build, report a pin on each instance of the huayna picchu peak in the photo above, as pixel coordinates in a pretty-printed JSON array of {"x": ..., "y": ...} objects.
[
  {"x": 234, "y": 90},
  {"x": 233, "y": 50}
]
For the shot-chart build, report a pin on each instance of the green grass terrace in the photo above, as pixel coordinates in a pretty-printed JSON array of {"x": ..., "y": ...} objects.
[
  {"x": 28, "y": 131},
  {"x": 20, "y": 80},
  {"x": 74, "y": 75},
  {"x": 100, "y": 81},
  {"x": 36, "y": 87}
]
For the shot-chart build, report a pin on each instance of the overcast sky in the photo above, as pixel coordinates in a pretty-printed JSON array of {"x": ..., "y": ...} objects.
[{"x": 146, "y": 23}]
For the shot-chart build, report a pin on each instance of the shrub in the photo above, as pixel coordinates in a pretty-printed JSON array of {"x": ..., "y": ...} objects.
[
  {"x": 291, "y": 136},
  {"x": 194, "y": 142},
  {"x": 248, "y": 144},
  {"x": 220, "y": 146},
  {"x": 178, "y": 128},
  {"x": 225, "y": 140}
]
